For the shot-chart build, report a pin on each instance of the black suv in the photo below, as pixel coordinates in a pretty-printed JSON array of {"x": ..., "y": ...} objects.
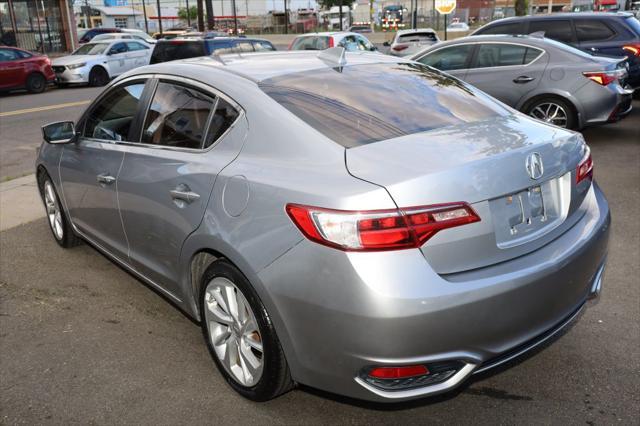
[
  {"x": 606, "y": 34},
  {"x": 183, "y": 48}
]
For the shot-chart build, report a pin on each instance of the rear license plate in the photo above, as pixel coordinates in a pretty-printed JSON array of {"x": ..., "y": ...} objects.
[{"x": 526, "y": 215}]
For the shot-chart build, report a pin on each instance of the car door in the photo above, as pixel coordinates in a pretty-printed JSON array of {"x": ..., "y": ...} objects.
[
  {"x": 137, "y": 55},
  {"x": 189, "y": 134},
  {"x": 507, "y": 71},
  {"x": 117, "y": 58},
  {"x": 11, "y": 69},
  {"x": 89, "y": 167},
  {"x": 453, "y": 60}
]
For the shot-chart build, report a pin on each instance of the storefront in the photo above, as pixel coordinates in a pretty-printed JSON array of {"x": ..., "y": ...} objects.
[{"x": 46, "y": 26}]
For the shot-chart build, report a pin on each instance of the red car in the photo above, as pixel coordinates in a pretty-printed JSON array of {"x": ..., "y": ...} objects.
[{"x": 20, "y": 69}]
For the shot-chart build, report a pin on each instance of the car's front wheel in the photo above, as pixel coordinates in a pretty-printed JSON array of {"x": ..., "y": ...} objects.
[
  {"x": 240, "y": 335},
  {"x": 98, "y": 77},
  {"x": 56, "y": 216}
]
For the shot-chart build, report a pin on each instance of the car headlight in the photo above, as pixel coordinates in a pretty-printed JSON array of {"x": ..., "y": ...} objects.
[{"x": 74, "y": 66}]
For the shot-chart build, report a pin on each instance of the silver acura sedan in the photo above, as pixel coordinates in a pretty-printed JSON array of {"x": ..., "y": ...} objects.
[{"x": 355, "y": 222}]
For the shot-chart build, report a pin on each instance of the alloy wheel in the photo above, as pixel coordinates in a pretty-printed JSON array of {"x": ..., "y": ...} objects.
[
  {"x": 233, "y": 331},
  {"x": 550, "y": 112},
  {"x": 54, "y": 214}
]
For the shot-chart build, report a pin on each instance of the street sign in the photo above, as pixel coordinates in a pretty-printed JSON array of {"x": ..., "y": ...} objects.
[{"x": 445, "y": 7}]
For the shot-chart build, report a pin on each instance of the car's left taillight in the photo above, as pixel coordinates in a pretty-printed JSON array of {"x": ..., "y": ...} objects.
[
  {"x": 376, "y": 230},
  {"x": 632, "y": 49},
  {"x": 585, "y": 167}
]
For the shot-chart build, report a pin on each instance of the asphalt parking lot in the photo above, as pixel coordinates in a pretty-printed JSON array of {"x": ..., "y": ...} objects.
[{"x": 82, "y": 341}]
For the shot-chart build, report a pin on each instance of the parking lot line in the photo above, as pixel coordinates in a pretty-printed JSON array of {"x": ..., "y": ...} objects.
[{"x": 43, "y": 108}]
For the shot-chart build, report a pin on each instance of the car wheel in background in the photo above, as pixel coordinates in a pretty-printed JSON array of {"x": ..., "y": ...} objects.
[
  {"x": 240, "y": 335},
  {"x": 98, "y": 77},
  {"x": 552, "y": 110},
  {"x": 56, "y": 216},
  {"x": 36, "y": 83}
]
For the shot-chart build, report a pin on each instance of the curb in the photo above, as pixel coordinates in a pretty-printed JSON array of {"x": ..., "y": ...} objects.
[{"x": 19, "y": 202}]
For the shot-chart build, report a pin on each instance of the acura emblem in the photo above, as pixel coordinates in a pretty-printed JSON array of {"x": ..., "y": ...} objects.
[{"x": 534, "y": 165}]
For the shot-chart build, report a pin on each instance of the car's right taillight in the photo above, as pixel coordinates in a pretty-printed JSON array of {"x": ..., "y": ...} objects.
[
  {"x": 331, "y": 42},
  {"x": 400, "y": 47},
  {"x": 585, "y": 167},
  {"x": 605, "y": 78},
  {"x": 376, "y": 230}
]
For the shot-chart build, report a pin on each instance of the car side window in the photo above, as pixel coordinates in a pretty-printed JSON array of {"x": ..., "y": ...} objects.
[
  {"x": 8, "y": 55},
  {"x": 449, "y": 58},
  {"x": 509, "y": 28},
  {"x": 177, "y": 117},
  {"x": 118, "y": 48},
  {"x": 532, "y": 53},
  {"x": 557, "y": 29},
  {"x": 349, "y": 43},
  {"x": 592, "y": 30},
  {"x": 133, "y": 46},
  {"x": 363, "y": 43},
  {"x": 244, "y": 47},
  {"x": 500, "y": 55},
  {"x": 112, "y": 117},
  {"x": 222, "y": 119},
  {"x": 262, "y": 46}
]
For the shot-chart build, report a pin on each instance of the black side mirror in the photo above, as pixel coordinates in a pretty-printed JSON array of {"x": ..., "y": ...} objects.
[
  {"x": 59, "y": 133},
  {"x": 386, "y": 44}
]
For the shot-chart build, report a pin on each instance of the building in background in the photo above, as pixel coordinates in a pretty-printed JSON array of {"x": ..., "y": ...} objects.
[
  {"x": 109, "y": 17},
  {"x": 46, "y": 26}
]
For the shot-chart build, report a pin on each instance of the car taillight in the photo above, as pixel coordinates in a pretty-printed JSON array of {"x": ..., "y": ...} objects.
[
  {"x": 331, "y": 42},
  {"x": 585, "y": 167},
  {"x": 374, "y": 230},
  {"x": 400, "y": 47},
  {"x": 633, "y": 49},
  {"x": 605, "y": 77}
]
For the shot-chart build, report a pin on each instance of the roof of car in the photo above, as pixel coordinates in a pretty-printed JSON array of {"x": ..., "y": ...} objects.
[
  {"x": 416, "y": 30},
  {"x": 326, "y": 34},
  {"x": 588, "y": 15},
  {"x": 261, "y": 66}
]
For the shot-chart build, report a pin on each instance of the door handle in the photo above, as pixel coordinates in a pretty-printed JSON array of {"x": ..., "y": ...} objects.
[
  {"x": 523, "y": 79},
  {"x": 184, "y": 193},
  {"x": 105, "y": 179}
]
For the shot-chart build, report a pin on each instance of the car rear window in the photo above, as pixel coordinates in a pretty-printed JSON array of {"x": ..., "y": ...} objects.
[
  {"x": 310, "y": 43},
  {"x": 634, "y": 24},
  {"x": 361, "y": 104},
  {"x": 417, "y": 37},
  {"x": 177, "y": 49}
]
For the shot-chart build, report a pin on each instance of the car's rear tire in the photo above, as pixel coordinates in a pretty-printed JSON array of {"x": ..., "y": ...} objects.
[
  {"x": 240, "y": 335},
  {"x": 98, "y": 77},
  {"x": 36, "y": 83},
  {"x": 552, "y": 110},
  {"x": 56, "y": 216}
]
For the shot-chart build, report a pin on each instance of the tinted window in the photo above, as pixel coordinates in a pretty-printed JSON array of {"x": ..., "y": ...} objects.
[
  {"x": 448, "y": 59},
  {"x": 262, "y": 46},
  {"x": 556, "y": 29},
  {"x": 220, "y": 47},
  {"x": 111, "y": 119},
  {"x": 177, "y": 49},
  {"x": 132, "y": 45},
  {"x": 310, "y": 43},
  {"x": 417, "y": 37},
  {"x": 244, "y": 46},
  {"x": 531, "y": 54},
  {"x": 349, "y": 43},
  {"x": 363, "y": 43},
  {"x": 510, "y": 28},
  {"x": 592, "y": 29},
  {"x": 368, "y": 103},
  {"x": 23, "y": 55},
  {"x": 118, "y": 48},
  {"x": 500, "y": 55},
  {"x": 223, "y": 118},
  {"x": 177, "y": 117},
  {"x": 8, "y": 55}
]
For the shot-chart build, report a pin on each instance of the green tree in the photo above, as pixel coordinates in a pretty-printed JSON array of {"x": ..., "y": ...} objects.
[
  {"x": 192, "y": 13},
  {"x": 522, "y": 7}
]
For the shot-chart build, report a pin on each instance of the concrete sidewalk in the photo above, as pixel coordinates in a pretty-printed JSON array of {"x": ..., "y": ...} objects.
[{"x": 20, "y": 202}]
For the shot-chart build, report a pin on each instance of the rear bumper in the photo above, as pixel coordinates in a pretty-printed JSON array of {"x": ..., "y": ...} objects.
[
  {"x": 338, "y": 313},
  {"x": 604, "y": 104}
]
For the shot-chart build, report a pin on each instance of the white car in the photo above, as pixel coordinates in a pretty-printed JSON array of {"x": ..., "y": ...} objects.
[
  {"x": 410, "y": 42},
  {"x": 125, "y": 36},
  {"x": 98, "y": 62},
  {"x": 352, "y": 42},
  {"x": 458, "y": 27}
]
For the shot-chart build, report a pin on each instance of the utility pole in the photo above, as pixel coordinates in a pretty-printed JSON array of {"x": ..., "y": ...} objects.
[
  {"x": 286, "y": 18},
  {"x": 235, "y": 18},
  {"x": 340, "y": 15},
  {"x": 188, "y": 15},
  {"x": 210, "y": 18},
  {"x": 146, "y": 22},
  {"x": 87, "y": 11},
  {"x": 200, "y": 15},
  {"x": 159, "y": 16}
]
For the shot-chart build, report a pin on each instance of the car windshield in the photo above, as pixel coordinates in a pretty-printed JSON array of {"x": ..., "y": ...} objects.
[
  {"x": 91, "y": 49},
  {"x": 422, "y": 36},
  {"x": 357, "y": 105}
]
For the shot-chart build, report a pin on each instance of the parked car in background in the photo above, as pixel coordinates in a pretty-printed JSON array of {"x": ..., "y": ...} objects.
[
  {"x": 409, "y": 42},
  {"x": 543, "y": 78},
  {"x": 614, "y": 34},
  {"x": 184, "y": 48},
  {"x": 97, "y": 63},
  {"x": 392, "y": 232},
  {"x": 458, "y": 27},
  {"x": 125, "y": 36},
  {"x": 360, "y": 29},
  {"x": 172, "y": 33},
  {"x": 20, "y": 69},
  {"x": 89, "y": 34},
  {"x": 320, "y": 41}
]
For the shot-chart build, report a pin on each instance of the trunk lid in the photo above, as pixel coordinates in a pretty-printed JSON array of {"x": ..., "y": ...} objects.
[{"x": 484, "y": 164}]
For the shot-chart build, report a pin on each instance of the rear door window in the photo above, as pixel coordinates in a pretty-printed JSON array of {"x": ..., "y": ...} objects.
[
  {"x": 347, "y": 108},
  {"x": 310, "y": 43},
  {"x": 262, "y": 46},
  {"x": 8, "y": 55},
  {"x": 244, "y": 47},
  {"x": 557, "y": 29},
  {"x": 592, "y": 30},
  {"x": 500, "y": 55},
  {"x": 220, "y": 47},
  {"x": 133, "y": 46},
  {"x": 450, "y": 58}
]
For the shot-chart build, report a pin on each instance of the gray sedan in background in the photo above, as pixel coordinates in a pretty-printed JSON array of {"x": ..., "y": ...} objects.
[
  {"x": 541, "y": 77},
  {"x": 354, "y": 222}
]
